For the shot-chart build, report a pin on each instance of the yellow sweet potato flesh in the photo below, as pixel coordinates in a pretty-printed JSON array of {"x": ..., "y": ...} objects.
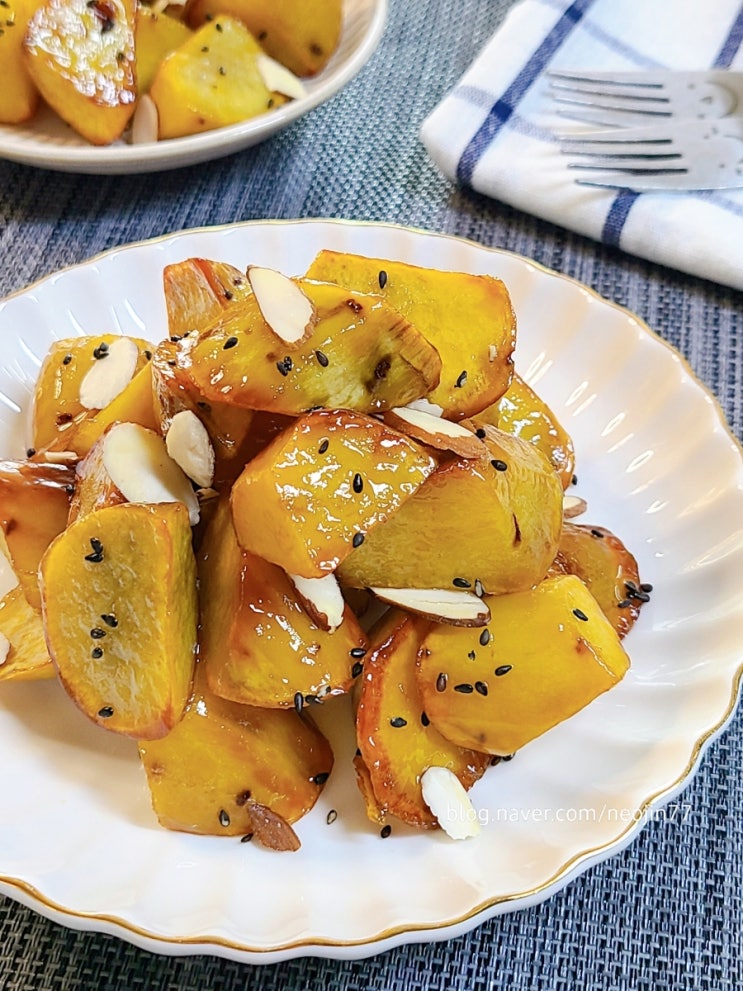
[
  {"x": 323, "y": 485},
  {"x": 80, "y": 55},
  {"x": 491, "y": 523},
  {"x": 211, "y": 80},
  {"x": 197, "y": 290},
  {"x": 546, "y": 654},
  {"x": 34, "y": 503},
  {"x": 222, "y": 756},
  {"x": 600, "y": 559},
  {"x": 134, "y": 404},
  {"x": 19, "y": 97},
  {"x": 361, "y": 355},
  {"x": 468, "y": 318},
  {"x": 301, "y": 34},
  {"x": 156, "y": 35},
  {"x": 27, "y": 659},
  {"x": 119, "y": 604},
  {"x": 520, "y": 411},
  {"x": 396, "y": 741},
  {"x": 57, "y": 408},
  {"x": 258, "y": 645}
]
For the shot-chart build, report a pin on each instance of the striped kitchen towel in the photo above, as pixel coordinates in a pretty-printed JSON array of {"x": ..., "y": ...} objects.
[{"x": 494, "y": 130}]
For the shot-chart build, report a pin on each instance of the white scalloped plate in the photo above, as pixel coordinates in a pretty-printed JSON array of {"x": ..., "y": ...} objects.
[
  {"x": 47, "y": 142},
  {"x": 656, "y": 464}
]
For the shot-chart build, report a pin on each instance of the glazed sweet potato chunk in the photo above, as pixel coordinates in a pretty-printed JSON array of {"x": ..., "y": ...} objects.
[
  {"x": 490, "y": 523},
  {"x": 360, "y": 354},
  {"x": 546, "y": 654},
  {"x": 223, "y": 757},
  {"x": 27, "y": 658},
  {"x": 119, "y": 603},
  {"x": 468, "y": 318},
  {"x": 321, "y": 487},
  {"x": 600, "y": 559},
  {"x": 197, "y": 291},
  {"x": 396, "y": 740},
  {"x": 258, "y": 644}
]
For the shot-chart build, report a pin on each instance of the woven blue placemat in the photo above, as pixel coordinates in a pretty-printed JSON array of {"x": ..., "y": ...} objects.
[{"x": 667, "y": 912}]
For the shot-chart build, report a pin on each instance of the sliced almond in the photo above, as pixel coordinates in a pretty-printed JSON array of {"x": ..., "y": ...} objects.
[
  {"x": 139, "y": 465},
  {"x": 447, "y": 799},
  {"x": 426, "y": 406},
  {"x": 270, "y": 828},
  {"x": 286, "y": 309},
  {"x": 573, "y": 506},
  {"x": 110, "y": 374},
  {"x": 188, "y": 444},
  {"x": 433, "y": 430},
  {"x": 321, "y": 599},
  {"x": 442, "y": 605},
  {"x": 61, "y": 457},
  {"x": 278, "y": 79},
  {"x": 145, "y": 122}
]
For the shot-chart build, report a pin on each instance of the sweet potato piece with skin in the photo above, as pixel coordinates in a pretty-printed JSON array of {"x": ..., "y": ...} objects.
[
  {"x": 27, "y": 659},
  {"x": 19, "y": 97},
  {"x": 258, "y": 646},
  {"x": 301, "y": 34},
  {"x": 321, "y": 486},
  {"x": 468, "y": 318},
  {"x": 547, "y": 653},
  {"x": 94, "y": 488},
  {"x": 361, "y": 355},
  {"x": 198, "y": 290},
  {"x": 490, "y": 524},
  {"x": 394, "y": 735},
  {"x": 80, "y": 55},
  {"x": 223, "y": 757},
  {"x": 521, "y": 412},
  {"x": 34, "y": 503},
  {"x": 57, "y": 406},
  {"x": 601, "y": 560},
  {"x": 118, "y": 590}
]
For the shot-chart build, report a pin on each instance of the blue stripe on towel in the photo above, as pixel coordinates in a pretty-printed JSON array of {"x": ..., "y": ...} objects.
[
  {"x": 504, "y": 107},
  {"x": 732, "y": 43}
]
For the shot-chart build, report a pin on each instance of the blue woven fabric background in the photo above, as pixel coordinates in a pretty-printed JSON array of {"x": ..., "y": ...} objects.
[{"x": 667, "y": 913}]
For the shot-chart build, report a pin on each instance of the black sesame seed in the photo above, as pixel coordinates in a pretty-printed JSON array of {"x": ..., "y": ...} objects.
[
  {"x": 242, "y": 798},
  {"x": 358, "y": 652},
  {"x": 247, "y": 838},
  {"x": 298, "y": 701},
  {"x": 358, "y": 539},
  {"x": 425, "y": 721},
  {"x": 382, "y": 278},
  {"x": 324, "y": 444},
  {"x": 441, "y": 682},
  {"x": 479, "y": 588},
  {"x": 331, "y": 817},
  {"x": 96, "y": 652},
  {"x": 485, "y": 638},
  {"x": 229, "y": 343},
  {"x": 398, "y": 722},
  {"x": 461, "y": 583},
  {"x": 285, "y": 366},
  {"x": 461, "y": 380},
  {"x": 574, "y": 480},
  {"x": 502, "y": 669},
  {"x": 97, "y": 633},
  {"x": 383, "y": 366},
  {"x": 596, "y": 533},
  {"x": 498, "y": 464},
  {"x": 228, "y": 294},
  {"x": 357, "y": 669},
  {"x": 322, "y": 359},
  {"x": 507, "y": 757},
  {"x": 579, "y": 614},
  {"x": 624, "y": 604},
  {"x": 358, "y": 482},
  {"x": 30, "y": 451},
  {"x": 464, "y": 689},
  {"x": 106, "y": 711},
  {"x": 109, "y": 619},
  {"x": 646, "y": 587},
  {"x": 472, "y": 655},
  {"x": 311, "y": 700},
  {"x": 101, "y": 351},
  {"x": 481, "y": 433},
  {"x": 481, "y": 687},
  {"x": 67, "y": 359},
  {"x": 385, "y": 831},
  {"x": 97, "y": 555},
  {"x": 148, "y": 355},
  {"x": 174, "y": 338},
  {"x": 224, "y": 819},
  {"x": 321, "y": 778}
]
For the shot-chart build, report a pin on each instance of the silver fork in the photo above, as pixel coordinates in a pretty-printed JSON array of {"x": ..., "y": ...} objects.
[
  {"x": 636, "y": 98},
  {"x": 685, "y": 155}
]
